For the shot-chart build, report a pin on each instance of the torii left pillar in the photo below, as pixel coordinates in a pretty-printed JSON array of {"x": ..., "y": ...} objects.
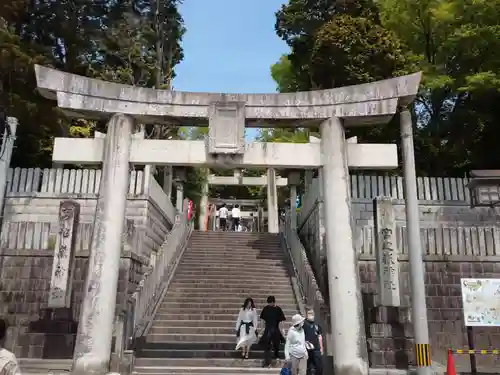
[
  {"x": 95, "y": 329},
  {"x": 272, "y": 202}
]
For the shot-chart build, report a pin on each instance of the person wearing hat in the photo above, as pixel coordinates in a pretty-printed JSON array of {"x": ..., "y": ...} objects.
[
  {"x": 295, "y": 346},
  {"x": 314, "y": 343}
]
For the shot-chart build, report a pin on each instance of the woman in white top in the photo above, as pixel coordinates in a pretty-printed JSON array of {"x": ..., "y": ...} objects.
[
  {"x": 246, "y": 327},
  {"x": 295, "y": 346}
]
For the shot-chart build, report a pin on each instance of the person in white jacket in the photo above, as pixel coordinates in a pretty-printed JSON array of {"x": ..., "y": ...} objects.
[
  {"x": 295, "y": 346},
  {"x": 236, "y": 217},
  {"x": 8, "y": 361},
  {"x": 246, "y": 327}
]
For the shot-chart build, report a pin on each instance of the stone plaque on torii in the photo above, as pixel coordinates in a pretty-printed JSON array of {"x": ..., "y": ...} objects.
[{"x": 227, "y": 115}]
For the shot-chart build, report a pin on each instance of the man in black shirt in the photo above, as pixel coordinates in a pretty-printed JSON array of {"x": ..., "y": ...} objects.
[
  {"x": 272, "y": 315},
  {"x": 314, "y": 344}
]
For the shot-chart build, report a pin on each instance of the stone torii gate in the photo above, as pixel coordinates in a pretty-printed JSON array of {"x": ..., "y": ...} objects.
[
  {"x": 238, "y": 179},
  {"x": 227, "y": 115}
]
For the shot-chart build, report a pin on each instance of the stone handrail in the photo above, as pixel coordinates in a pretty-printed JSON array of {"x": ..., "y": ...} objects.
[
  {"x": 307, "y": 282},
  {"x": 151, "y": 289}
]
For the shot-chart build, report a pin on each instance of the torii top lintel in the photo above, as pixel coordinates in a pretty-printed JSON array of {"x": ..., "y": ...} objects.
[{"x": 365, "y": 104}]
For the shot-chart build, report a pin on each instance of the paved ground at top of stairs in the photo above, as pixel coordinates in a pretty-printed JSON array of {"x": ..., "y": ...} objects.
[{"x": 193, "y": 331}]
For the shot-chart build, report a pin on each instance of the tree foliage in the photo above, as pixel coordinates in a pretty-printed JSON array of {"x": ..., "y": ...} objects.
[
  {"x": 454, "y": 42},
  {"x": 111, "y": 40}
]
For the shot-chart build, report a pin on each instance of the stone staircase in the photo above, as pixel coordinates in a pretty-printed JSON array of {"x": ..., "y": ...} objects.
[{"x": 193, "y": 331}]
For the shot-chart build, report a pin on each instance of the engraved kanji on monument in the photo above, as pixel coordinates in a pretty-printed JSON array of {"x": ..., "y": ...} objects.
[
  {"x": 226, "y": 128},
  {"x": 386, "y": 253},
  {"x": 64, "y": 255}
]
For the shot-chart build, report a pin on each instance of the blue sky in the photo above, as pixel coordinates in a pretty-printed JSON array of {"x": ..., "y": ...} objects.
[{"x": 229, "y": 46}]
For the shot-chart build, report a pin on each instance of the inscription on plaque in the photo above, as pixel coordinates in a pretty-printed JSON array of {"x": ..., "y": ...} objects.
[
  {"x": 387, "y": 253},
  {"x": 64, "y": 255},
  {"x": 226, "y": 134}
]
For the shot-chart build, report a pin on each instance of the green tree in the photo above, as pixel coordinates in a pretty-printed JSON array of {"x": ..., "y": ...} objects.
[
  {"x": 457, "y": 42},
  {"x": 105, "y": 39},
  {"x": 336, "y": 44},
  {"x": 284, "y": 76},
  {"x": 298, "y": 22},
  {"x": 351, "y": 50}
]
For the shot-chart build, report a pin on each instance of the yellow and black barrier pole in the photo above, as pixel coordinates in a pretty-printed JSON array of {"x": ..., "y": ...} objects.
[
  {"x": 423, "y": 355},
  {"x": 472, "y": 356}
]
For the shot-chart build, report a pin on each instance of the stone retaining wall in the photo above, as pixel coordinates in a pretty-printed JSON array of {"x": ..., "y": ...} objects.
[
  {"x": 24, "y": 287},
  {"x": 444, "y": 309}
]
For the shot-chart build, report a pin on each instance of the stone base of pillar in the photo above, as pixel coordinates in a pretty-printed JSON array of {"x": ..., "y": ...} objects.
[
  {"x": 396, "y": 350},
  {"x": 59, "y": 329}
]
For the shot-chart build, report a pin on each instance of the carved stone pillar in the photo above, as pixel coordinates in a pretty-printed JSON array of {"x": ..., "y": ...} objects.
[
  {"x": 95, "y": 330},
  {"x": 64, "y": 256}
]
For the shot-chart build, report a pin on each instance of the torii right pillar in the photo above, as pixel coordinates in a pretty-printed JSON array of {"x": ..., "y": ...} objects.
[{"x": 346, "y": 307}]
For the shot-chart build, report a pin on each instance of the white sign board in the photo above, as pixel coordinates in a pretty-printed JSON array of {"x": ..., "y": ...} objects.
[{"x": 481, "y": 302}]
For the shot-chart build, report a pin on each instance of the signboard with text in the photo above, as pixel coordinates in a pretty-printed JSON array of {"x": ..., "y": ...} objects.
[{"x": 481, "y": 302}]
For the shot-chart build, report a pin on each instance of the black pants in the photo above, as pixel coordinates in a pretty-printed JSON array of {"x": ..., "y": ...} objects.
[
  {"x": 223, "y": 223},
  {"x": 315, "y": 361},
  {"x": 236, "y": 222},
  {"x": 271, "y": 342}
]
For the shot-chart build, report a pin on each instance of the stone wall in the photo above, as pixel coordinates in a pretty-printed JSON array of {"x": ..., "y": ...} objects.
[
  {"x": 32, "y": 223},
  {"x": 27, "y": 242},
  {"x": 24, "y": 287},
  {"x": 390, "y": 343},
  {"x": 457, "y": 241}
]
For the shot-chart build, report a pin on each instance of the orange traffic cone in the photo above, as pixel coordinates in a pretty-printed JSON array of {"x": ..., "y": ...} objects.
[{"x": 450, "y": 365}]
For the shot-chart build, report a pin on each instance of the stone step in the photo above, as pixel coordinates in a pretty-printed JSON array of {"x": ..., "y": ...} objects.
[
  {"x": 217, "y": 259},
  {"x": 231, "y": 263},
  {"x": 230, "y": 236},
  {"x": 234, "y": 248},
  {"x": 198, "y": 362},
  {"x": 44, "y": 366},
  {"x": 193, "y": 323},
  {"x": 260, "y": 301},
  {"x": 197, "y": 315},
  {"x": 191, "y": 346},
  {"x": 178, "y": 370},
  {"x": 194, "y": 338},
  {"x": 215, "y": 304},
  {"x": 261, "y": 271},
  {"x": 208, "y": 353},
  {"x": 243, "y": 292},
  {"x": 235, "y": 291},
  {"x": 237, "y": 239},
  {"x": 214, "y": 243},
  {"x": 209, "y": 247},
  {"x": 219, "y": 255},
  {"x": 172, "y": 315},
  {"x": 217, "y": 264},
  {"x": 159, "y": 329},
  {"x": 257, "y": 277},
  {"x": 209, "y": 310},
  {"x": 268, "y": 288},
  {"x": 222, "y": 282},
  {"x": 249, "y": 242}
]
